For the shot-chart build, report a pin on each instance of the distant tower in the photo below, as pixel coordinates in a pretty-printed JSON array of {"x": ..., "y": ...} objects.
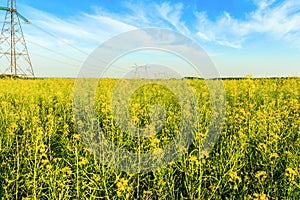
[{"x": 14, "y": 57}]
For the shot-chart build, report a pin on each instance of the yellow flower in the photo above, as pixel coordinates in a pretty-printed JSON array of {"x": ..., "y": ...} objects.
[
  {"x": 76, "y": 136},
  {"x": 148, "y": 192},
  {"x": 158, "y": 152},
  {"x": 135, "y": 119},
  {"x": 261, "y": 175},
  {"x": 263, "y": 197},
  {"x": 66, "y": 126},
  {"x": 119, "y": 193},
  {"x": 13, "y": 126},
  {"x": 291, "y": 171},
  {"x": 66, "y": 170},
  {"x": 45, "y": 161},
  {"x": 194, "y": 159},
  {"x": 234, "y": 176},
  {"x": 104, "y": 110},
  {"x": 260, "y": 196},
  {"x": 56, "y": 159},
  {"x": 122, "y": 184},
  {"x": 96, "y": 177},
  {"x": 273, "y": 155},
  {"x": 49, "y": 167},
  {"x": 154, "y": 142},
  {"x": 83, "y": 161},
  {"x": 35, "y": 120},
  {"x": 242, "y": 135}
]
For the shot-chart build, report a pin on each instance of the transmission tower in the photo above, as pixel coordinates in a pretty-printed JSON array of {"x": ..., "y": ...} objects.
[{"x": 14, "y": 55}]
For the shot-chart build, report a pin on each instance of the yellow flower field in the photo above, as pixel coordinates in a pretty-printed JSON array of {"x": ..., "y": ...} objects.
[{"x": 256, "y": 157}]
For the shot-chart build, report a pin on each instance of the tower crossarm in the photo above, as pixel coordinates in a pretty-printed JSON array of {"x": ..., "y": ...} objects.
[{"x": 14, "y": 10}]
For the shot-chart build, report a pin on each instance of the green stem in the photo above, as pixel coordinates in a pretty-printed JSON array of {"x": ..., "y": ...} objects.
[
  {"x": 18, "y": 167},
  {"x": 77, "y": 173},
  {"x": 34, "y": 170}
]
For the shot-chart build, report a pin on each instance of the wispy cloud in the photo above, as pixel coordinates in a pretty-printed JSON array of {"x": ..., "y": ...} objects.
[
  {"x": 278, "y": 20},
  {"x": 77, "y": 30},
  {"x": 62, "y": 45},
  {"x": 172, "y": 14}
]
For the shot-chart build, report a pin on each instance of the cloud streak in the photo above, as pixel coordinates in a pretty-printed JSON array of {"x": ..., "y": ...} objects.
[
  {"x": 278, "y": 20},
  {"x": 275, "y": 20}
]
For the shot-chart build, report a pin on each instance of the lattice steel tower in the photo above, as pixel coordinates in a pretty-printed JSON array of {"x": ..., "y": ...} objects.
[{"x": 14, "y": 57}]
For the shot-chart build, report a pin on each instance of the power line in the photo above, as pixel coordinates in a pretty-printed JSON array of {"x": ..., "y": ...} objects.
[
  {"x": 67, "y": 43},
  {"x": 53, "y": 59},
  {"x": 59, "y": 39},
  {"x": 74, "y": 47},
  {"x": 56, "y": 52},
  {"x": 63, "y": 55},
  {"x": 79, "y": 62}
]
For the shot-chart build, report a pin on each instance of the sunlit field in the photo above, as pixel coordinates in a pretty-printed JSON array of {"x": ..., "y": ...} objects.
[{"x": 257, "y": 156}]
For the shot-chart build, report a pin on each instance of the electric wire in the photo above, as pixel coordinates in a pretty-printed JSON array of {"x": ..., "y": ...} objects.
[
  {"x": 53, "y": 59},
  {"x": 77, "y": 49},
  {"x": 55, "y": 52}
]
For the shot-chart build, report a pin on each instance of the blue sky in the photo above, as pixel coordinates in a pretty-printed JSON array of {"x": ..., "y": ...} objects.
[{"x": 258, "y": 37}]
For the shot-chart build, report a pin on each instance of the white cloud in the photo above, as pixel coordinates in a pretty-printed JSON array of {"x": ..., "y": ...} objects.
[
  {"x": 66, "y": 41},
  {"x": 172, "y": 14},
  {"x": 139, "y": 14},
  {"x": 82, "y": 28},
  {"x": 279, "y": 20},
  {"x": 263, "y": 3}
]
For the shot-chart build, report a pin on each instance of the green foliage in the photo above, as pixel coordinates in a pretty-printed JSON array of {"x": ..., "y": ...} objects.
[{"x": 257, "y": 156}]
